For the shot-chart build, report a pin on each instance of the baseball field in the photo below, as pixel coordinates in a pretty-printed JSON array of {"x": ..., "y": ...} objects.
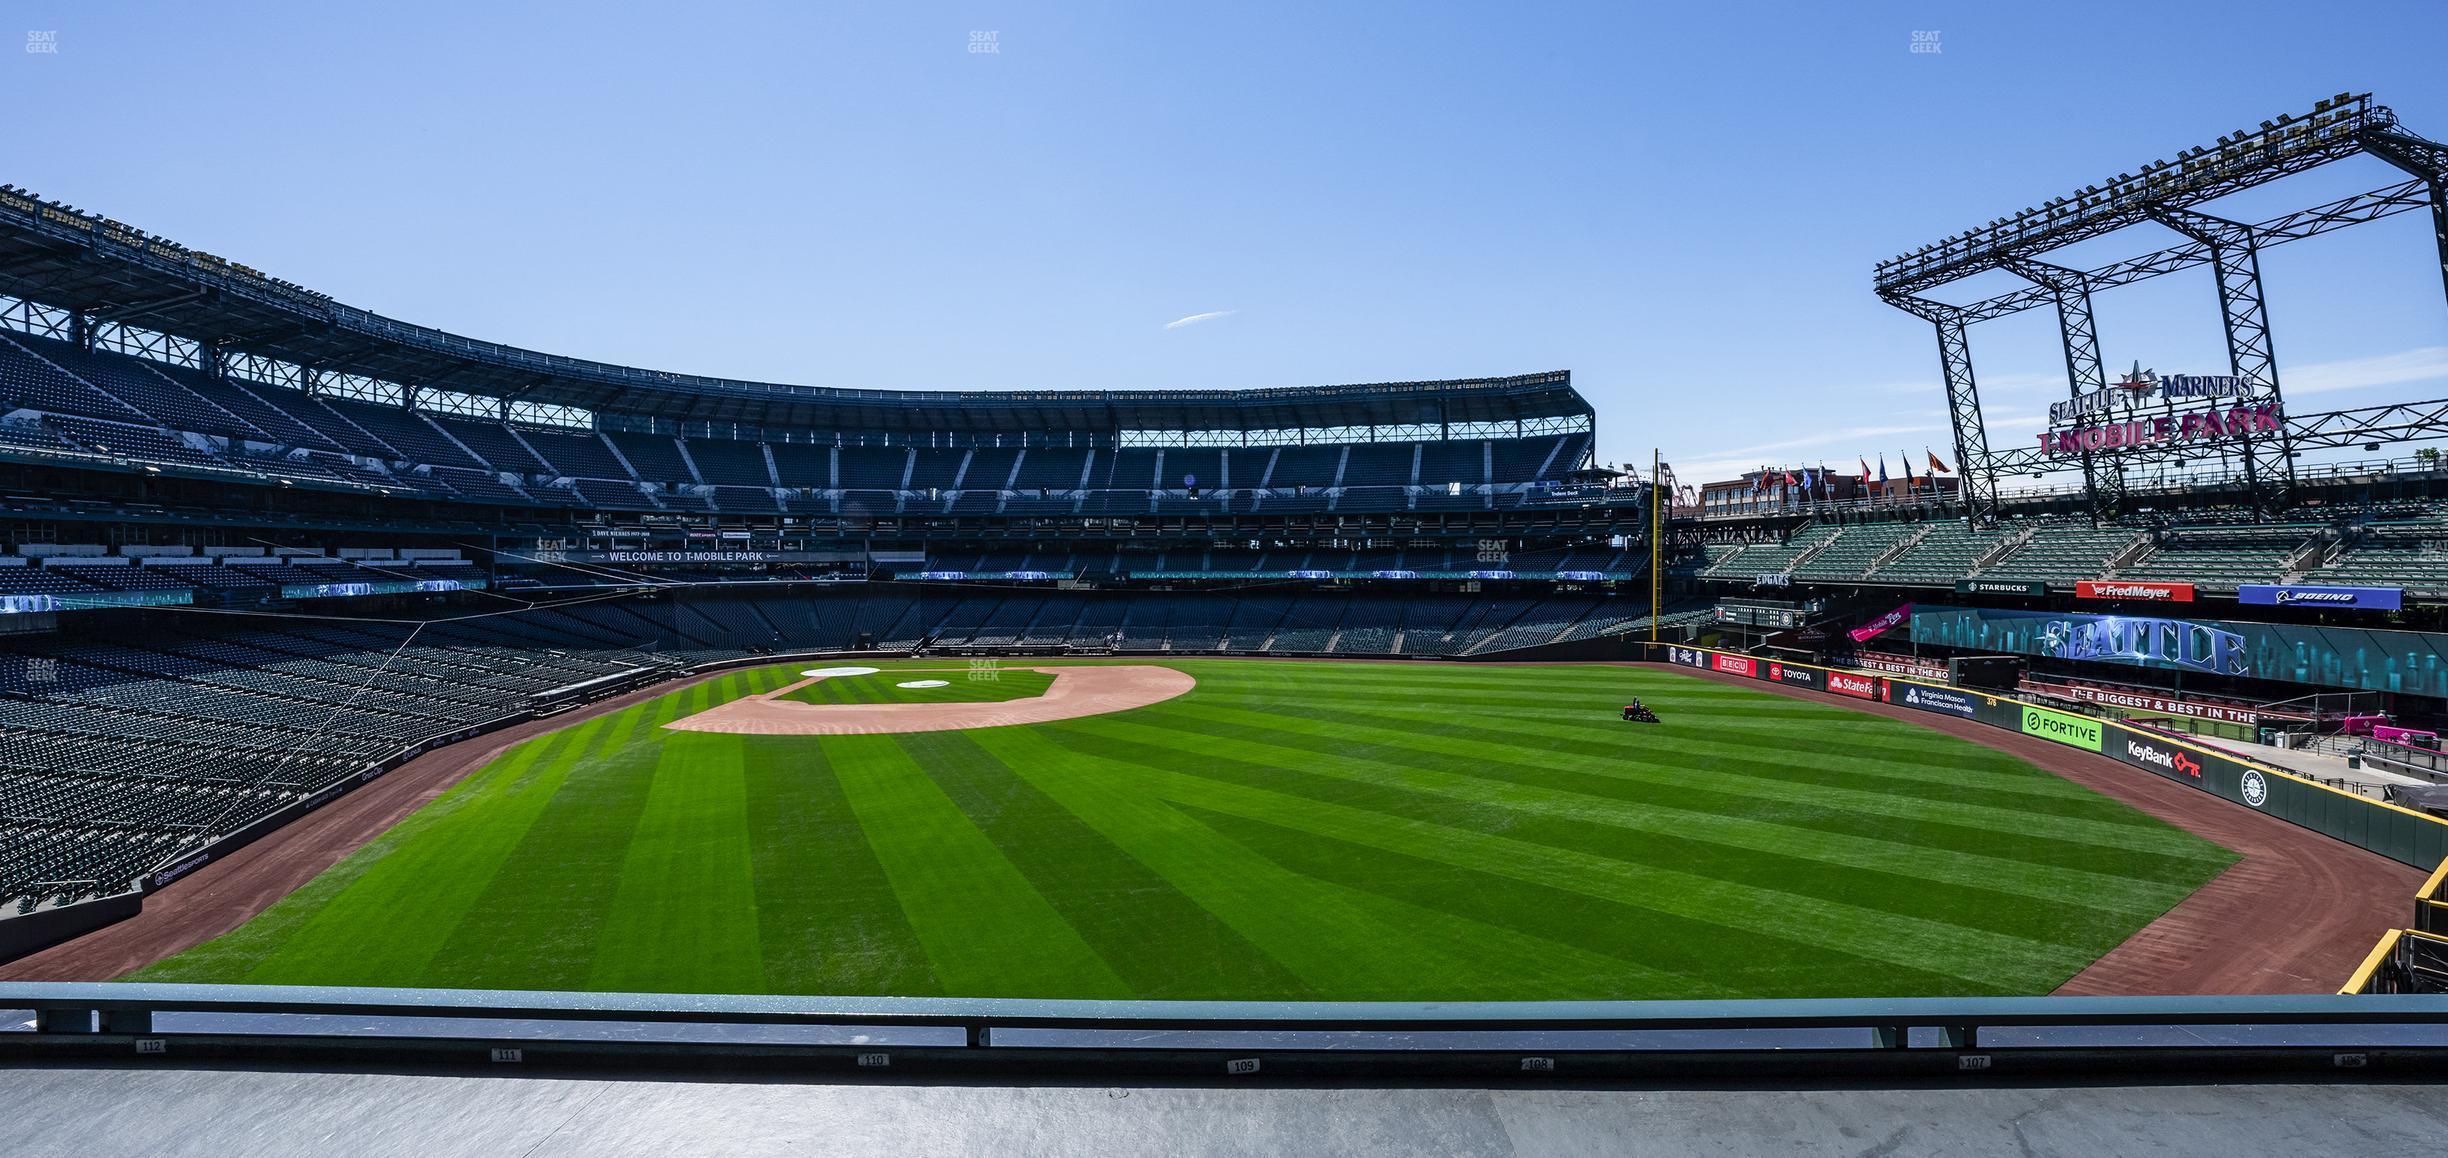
[{"x": 1282, "y": 829}]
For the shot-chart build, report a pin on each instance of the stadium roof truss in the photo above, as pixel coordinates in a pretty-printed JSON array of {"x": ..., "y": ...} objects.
[
  {"x": 2168, "y": 192},
  {"x": 104, "y": 273}
]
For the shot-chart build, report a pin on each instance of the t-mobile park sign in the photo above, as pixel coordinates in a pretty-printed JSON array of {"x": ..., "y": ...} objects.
[{"x": 2253, "y": 421}]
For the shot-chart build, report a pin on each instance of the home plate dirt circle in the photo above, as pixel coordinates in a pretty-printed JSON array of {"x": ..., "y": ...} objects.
[{"x": 1075, "y": 692}]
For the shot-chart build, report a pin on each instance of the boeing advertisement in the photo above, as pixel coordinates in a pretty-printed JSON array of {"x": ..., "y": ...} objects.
[
  {"x": 2339, "y": 657},
  {"x": 2320, "y": 596}
]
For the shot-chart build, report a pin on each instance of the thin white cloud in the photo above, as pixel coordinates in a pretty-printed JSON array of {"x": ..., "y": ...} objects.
[
  {"x": 1195, "y": 319},
  {"x": 2420, "y": 364},
  {"x": 1987, "y": 384},
  {"x": 1846, "y": 443}
]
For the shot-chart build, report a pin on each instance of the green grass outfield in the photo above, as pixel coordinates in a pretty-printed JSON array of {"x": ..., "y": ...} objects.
[
  {"x": 1285, "y": 830},
  {"x": 960, "y": 687}
]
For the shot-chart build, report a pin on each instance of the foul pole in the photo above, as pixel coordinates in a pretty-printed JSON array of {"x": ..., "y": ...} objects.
[{"x": 1655, "y": 500}]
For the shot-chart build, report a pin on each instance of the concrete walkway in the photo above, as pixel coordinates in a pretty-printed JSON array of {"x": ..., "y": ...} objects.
[
  {"x": 171, "y": 1111},
  {"x": 2323, "y": 766}
]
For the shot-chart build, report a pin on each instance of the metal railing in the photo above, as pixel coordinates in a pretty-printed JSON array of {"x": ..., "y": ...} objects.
[{"x": 1226, "y": 1039}]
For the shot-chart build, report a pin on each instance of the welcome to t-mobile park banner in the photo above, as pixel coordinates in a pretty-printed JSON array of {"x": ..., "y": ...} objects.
[{"x": 1881, "y": 625}]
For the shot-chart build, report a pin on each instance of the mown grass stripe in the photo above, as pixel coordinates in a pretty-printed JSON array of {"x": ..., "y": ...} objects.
[
  {"x": 1337, "y": 939},
  {"x": 1904, "y": 940},
  {"x": 1756, "y": 779},
  {"x": 389, "y": 923},
  {"x": 683, "y": 916},
  {"x": 1632, "y": 769},
  {"x": 536, "y": 923},
  {"x": 987, "y": 931},
  {"x": 1161, "y": 943},
  {"x": 1738, "y": 959},
  {"x": 234, "y": 955},
  {"x": 827, "y": 919},
  {"x": 1674, "y": 827},
  {"x": 1892, "y": 757},
  {"x": 1372, "y": 830}
]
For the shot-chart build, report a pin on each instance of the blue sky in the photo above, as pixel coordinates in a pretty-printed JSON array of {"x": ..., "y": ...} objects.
[{"x": 1680, "y": 204}]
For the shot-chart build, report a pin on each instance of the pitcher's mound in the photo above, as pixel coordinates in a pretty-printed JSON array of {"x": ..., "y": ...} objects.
[{"x": 1075, "y": 692}]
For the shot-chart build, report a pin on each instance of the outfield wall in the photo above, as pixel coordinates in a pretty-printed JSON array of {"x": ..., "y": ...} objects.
[{"x": 2400, "y": 834}]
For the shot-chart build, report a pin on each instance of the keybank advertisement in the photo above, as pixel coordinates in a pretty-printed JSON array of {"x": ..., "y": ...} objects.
[
  {"x": 2414, "y": 662},
  {"x": 2072, "y": 731}
]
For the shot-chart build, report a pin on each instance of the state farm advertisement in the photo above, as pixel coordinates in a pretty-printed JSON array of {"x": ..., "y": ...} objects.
[
  {"x": 1858, "y": 686},
  {"x": 2135, "y": 591},
  {"x": 1737, "y": 664}
]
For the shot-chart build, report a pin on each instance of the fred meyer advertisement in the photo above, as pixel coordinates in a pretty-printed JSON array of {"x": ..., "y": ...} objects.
[{"x": 2072, "y": 731}]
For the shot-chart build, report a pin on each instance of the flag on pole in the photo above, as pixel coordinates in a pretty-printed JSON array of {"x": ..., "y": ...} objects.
[
  {"x": 1936, "y": 465},
  {"x": 1906, "y": 459},
  {"x": 1882, "y": 468},
  {"x": 1865, "y": 465}
]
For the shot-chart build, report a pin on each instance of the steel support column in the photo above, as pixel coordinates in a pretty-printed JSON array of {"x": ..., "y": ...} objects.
[
  {"x": 2235, "y": 261},
  {"x": 2428, "y": 160},
  {"x": 1978, "y": 475},
  {"x": 2103, "y": 483}
]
